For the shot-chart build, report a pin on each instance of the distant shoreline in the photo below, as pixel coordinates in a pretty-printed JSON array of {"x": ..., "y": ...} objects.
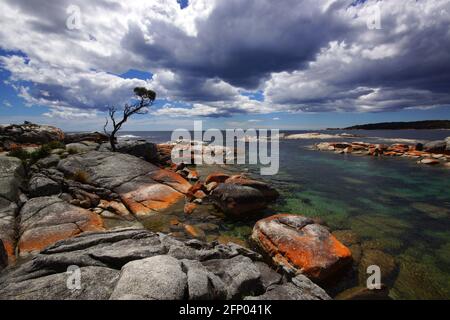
[{"x": 413, "y": 125}]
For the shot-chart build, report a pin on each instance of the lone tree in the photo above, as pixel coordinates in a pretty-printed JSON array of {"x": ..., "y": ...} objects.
[{"x": 145, "y": 97}]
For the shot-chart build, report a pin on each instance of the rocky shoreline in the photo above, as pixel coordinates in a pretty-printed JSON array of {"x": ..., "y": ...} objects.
[
  {"x": 132, "y": 219},
  {"x": 435, "y": 153}
]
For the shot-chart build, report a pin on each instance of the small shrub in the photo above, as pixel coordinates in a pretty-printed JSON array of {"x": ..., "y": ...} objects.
[
  {"x": 81, "y": 176},
  {"x": 42, "y": 152},
  {"x": 20, "y": 153},
  {"x": 56, "y": 145},
  {"x": 72, "y": 151}
]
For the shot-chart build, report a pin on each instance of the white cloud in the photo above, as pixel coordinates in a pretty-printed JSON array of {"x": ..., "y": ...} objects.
[
  {"x": 7, "y": 104},
  {"x": 304, "y": 56}
]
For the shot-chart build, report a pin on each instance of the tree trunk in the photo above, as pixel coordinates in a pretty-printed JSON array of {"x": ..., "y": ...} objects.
[{"x": 112, "y": 141}]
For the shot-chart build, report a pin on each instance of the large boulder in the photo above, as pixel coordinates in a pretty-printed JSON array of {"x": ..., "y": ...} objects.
[
  {"x": 40, "y": 186},
  {"x": 153, "y": 266},
  {"x": 139, "y": 148},
  {"x": 144, "y": 188},
  {"x": 96, "y": 137},
  {"x": 238, "y": 201},
  {"x": 46, "y": 220},
  {"x": 267, "y": 191},
  {"x": 82, "y": 146},
  {"x": 11, "y": 179},
  {"x": 298, "y": 245},
  {"x": 29, "y": 133},
  {"x": 239, "y": 196},
  {"x": 240, "y": 274},
  {"x": 155, "y": 278}
]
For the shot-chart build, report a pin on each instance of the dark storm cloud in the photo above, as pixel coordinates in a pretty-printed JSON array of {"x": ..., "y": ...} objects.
[{"x": 242, "y": 42}]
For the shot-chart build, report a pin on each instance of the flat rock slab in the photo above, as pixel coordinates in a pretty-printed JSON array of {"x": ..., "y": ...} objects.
[
  {"x": 299, "y": 245},
  {"x": 46, "y": 220},
  {"x": 139, "y": 264},
  {"x": 144, "y": 188}
]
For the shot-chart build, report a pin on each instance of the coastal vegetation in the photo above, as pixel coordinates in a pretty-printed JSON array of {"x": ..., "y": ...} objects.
[{"x": 413, "y": 125}]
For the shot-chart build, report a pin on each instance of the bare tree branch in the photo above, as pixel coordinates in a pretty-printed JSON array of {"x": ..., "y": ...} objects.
[{"x": 146, "y": 100}]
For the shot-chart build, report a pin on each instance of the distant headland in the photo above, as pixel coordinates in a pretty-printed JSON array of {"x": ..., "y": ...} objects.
[{"x": 414, "y": 125}]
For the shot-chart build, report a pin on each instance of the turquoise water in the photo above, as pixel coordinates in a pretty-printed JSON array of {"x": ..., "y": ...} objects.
[
  {"x": 398, "y": 211},
  {"x": 392, "y": 205}
]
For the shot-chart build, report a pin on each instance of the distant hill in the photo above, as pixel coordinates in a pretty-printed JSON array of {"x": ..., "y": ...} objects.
[{"x": 418, "y": 125}]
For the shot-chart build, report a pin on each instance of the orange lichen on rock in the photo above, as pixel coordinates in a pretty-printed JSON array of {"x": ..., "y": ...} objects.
[
  {"x": 10, "y": 250},
  {"x": 171, "y": 179},
  {"x": 217, "y": 177},
  {"x": 58, "y": 227},
  {"x": 148, "y": 199},
  {"x": 189, "y": 208},
  {"x": 299, "y": 245}
]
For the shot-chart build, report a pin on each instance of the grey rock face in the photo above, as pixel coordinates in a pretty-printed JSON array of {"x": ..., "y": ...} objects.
[
  {"x": 31, "y": 133},
  {"x": 96, "y": 283},
  {"x": 203, "y": 284},
  {"x": 40, "y": 186},
  {"x": 155, "y": 278},
  {"x": 50, "y": 161},
  {"x": 83, "y": 146},
  {"x": 3, "y": 256},
  {"x": 106, "y": 169},
  {"x": 153, "y": 266},
  {"x": 239, "y": 274},
  {"x": 11, "y": 179},
  {"x": 96, "y": 137},
  {"x": 139, "y": 148}
]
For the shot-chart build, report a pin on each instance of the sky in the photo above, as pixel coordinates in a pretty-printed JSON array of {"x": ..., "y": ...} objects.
[{"x": 288, "y": 64}]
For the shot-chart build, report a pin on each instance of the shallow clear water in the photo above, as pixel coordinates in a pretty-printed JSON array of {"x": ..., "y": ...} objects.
[{"x": 392, "y": 205}]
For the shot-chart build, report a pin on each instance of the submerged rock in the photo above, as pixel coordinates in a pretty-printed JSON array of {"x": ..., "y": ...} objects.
[
  {"x": 363, "y": 293},
  {"x": 429, "y": 161},
  {"x": 298, "y": 245},
  {"x": 381, "y": 259}
]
